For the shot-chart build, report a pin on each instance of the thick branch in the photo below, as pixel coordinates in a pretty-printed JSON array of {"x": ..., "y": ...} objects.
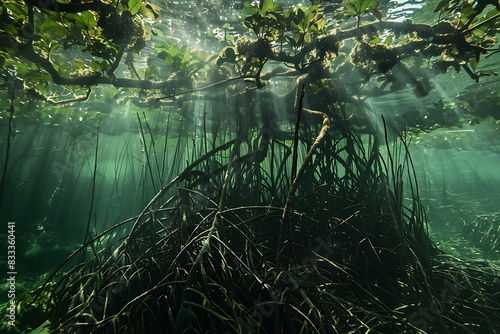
[
  {"x": 73, "y": 7},
  {"x": 28, "y": 52},
  {"x": 428, "y": 41}
]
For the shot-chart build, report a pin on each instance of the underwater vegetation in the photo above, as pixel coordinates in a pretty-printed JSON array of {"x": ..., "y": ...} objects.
[
  {"x": 223, "y": 166},
  {"x": 211, "y": 257},
  {"x": 485, "y": 232}
]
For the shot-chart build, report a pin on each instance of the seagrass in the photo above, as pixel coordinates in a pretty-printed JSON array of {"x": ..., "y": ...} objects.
[{"x": 198, "y": 259}]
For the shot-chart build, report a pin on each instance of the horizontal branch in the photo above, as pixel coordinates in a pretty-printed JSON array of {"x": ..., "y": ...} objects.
[
  {"x": 439, "y": 34},
  {"x": 73, "y": 7},
  {"x": 440, "y": 37},
  {"x": 28, "y": 52}
]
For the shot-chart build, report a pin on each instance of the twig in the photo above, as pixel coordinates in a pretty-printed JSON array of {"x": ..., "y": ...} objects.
[
  {"x": 494, "y": 17},
  {"x": 296, "y": 134},
  {"x": 35, "y": 94},
  {"x": 143, "y": 139},
  {"x": 87, "y": 232},
  {"x": 284, "y": 243},
  {"x": 154, "y": 149},
  {"x": 219, "y": 83}
]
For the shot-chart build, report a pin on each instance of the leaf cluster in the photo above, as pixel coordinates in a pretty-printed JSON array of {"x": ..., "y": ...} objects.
[{"x": 83, "y": 44}]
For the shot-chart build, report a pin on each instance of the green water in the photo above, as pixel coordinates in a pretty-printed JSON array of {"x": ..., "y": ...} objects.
[{"x": 178, "y": 210}]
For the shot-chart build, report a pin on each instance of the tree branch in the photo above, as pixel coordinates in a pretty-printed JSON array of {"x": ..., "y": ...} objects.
[
  {"x": 73, "y": 7},
  {"x": 428, "y": 41}
]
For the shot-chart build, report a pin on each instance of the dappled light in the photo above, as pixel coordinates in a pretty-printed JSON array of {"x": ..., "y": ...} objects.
[{"x": 224, "y": 166}]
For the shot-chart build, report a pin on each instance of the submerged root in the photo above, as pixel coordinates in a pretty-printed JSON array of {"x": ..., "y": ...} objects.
[{"x": 362, "y": 261}]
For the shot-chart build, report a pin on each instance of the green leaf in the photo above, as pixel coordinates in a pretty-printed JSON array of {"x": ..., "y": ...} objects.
[
  {"x": 173, "y": 50},
  {"x": 147, "y": 73},
  {"x": 358, "y": 7},
  {"x": 105, "y": 65},
  {"x": 53, "y": 46},
  {"x": 249, "y": 9},
  {"x": 17, "y": 9},
  {"x": 134, "y": 6},
  {"x": 319, "y": 25},
  {"x": 164, "y": 55},
  {"x": 150, "y": 10},
  {"x": 297, "y": 38},
  {"x": 55, "y": 28},
  {"x": 254, "y": 23},
  {"x": 78, "y": 63},
  {"x": 299, "y": 14},
  {"x": 307, "y": 37},
  {"x": 157, "y": 32},
  {"x": 442, "y": 6},
  {"x": 269, "y": 6},
  {"x": 480, "y": 32},
  {"x": 85, "y": 20},
  {"x": 467, "y": 9},
  {"x": 228, "y": 54},
  {"x": 95, "y": 65},
  {"x": 186, "y": 56},
  {"x": 46, "y": 38}
]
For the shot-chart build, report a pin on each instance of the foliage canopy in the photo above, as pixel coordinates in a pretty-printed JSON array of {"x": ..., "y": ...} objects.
[{"x": 61, "y": 51}]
